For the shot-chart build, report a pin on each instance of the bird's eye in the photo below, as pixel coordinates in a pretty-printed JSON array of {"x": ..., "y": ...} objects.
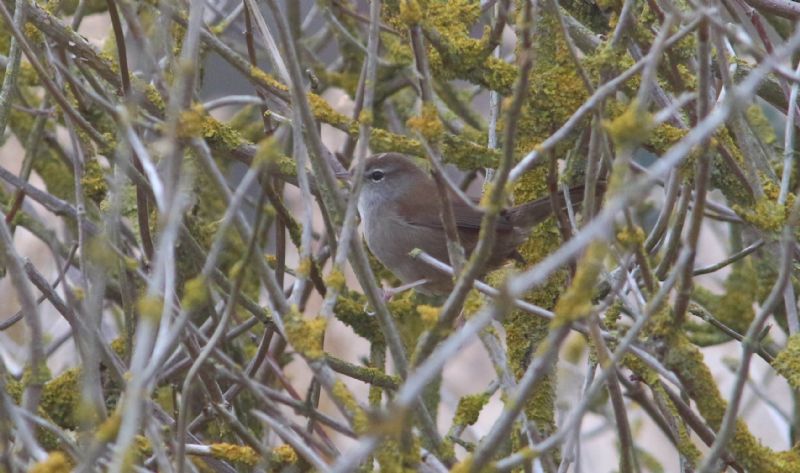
[{"x": 376, "y": 175}]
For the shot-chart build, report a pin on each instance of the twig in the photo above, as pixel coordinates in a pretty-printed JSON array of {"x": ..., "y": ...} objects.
[
  {"x": 142, "y": 206},
  {"x": 36, "y": 359},
  {"x": 602, "y": 92},
  {"x": 350, "y": 222},
  {"x": 750, "y": 341},
  {"x": 211, "y": 344},
  {"x": 783, "y": 8},
  {"x": 600, "y": 225},
  {"x": 12, "y": 67},
  {"x": 540, "y": 367},
  {"x": 161, "y": 285},
  {"x": 730, "y": 259},
  {"x": 702, "y": 173},
  {"x": 628, "y": 460},
  {"x": 12, "y": 412},
  {"x": 482, "y": 286},
  {"x": 622, "y": 348},
  {"x": 408, "y": 394},
  {"x": 455, "y": 250},
  {"x": 498, "y": 26},
  {"x": 48, "y": 83},
  {"x": 21, "y": 313},
  {"x": 496, "y": 197},
  {"x": 294, "y": 440},
  {"x": 321, "y": 161}
]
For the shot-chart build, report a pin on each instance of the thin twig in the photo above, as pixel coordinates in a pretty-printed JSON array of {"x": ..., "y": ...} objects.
[
  {"x": 12, "y": 67},
  {"x": 36, "y": 359},
  {"x": 750, "y": 341}
]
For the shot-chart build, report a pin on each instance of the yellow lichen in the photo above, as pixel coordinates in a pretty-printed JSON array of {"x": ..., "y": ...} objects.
[
  {"x": 33, "y": 33},
  {"x": 723, "y": 176},
  {"x": 285, "y": 454},
  {"x": 631, "y": 237},
  {"x": 390, "y": 456},
  {"x": 153, "y": 95},
  {"x": 382, "y": 140},
  {"x": 142, "y": 446},
  {"x": 456, "y": 54},
  {"x": 464, "y": 466},
  {"x": 469, "y": 408},
  {"x": 56, "y": 462},
  {"x": 349, "y": 310},
  {"x": 323, "y": 111},
  {"x": 630, "y": 128},
  {"x": 427, "y": 123},
  {"x": 94, "y": 181},
  {"x": 787, "y": 363},
  {"x": 304, "y": 268},
  {"x": 306, "y": 335},
  {"x": 734, "y": 308},
  {"x": 118, "y": 345},
  {"x": 473, "y": 303},
  {"x": 335, "y": 280},
  {"x": 365, "y": 117},
  {"x": 100, "y": 253},
  {"x": 771, "y": 189},
  {"x": 410, "y": 12},
  {"x": 574, "y": 347},
  {"x": 196, "y": 122},
  {"x": 577, "y": 301},
  {"x": 236, "y": 269},
  {"x": 344, "y": 397},
  {"x": 267, "y": 80},
  {"x": 429, "y": 314},
  {"x": 555, "y": 92},
  {"x": 107, "y": 431},
  {"x": 150, "y": 307},
  {"x": 195, "y": 293},
  {"x": 268, "y": 153},
  {"x": 61, "y": 398},
  {"x": 38, "y": 376},
  {"x": 760, "y": 124},
  {"x": 766, "y": 214},
  {"x": 191, "y": 123},
  {"x": 235, "y": 453},
  {"x": 686, "y": 361}
]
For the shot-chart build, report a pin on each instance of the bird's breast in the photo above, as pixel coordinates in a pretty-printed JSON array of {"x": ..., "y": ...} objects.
[{"x": 391, "y": 240}]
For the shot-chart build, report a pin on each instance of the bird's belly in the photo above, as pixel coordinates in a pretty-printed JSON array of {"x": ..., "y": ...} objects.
[{"x": 392, "y": 241}]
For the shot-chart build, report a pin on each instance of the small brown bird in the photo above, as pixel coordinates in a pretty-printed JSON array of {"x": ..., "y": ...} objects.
[{"x": 400, "y": 210}]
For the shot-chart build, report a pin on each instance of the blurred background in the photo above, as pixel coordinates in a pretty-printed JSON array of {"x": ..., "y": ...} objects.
[{"x": 767, "y": 406}]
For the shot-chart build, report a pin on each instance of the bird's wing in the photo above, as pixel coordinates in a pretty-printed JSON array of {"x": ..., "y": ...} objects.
[{"x": 468, "y": 219}]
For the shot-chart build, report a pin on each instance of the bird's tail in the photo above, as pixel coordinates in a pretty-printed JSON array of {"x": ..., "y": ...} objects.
[{"x": 536, "y": 211}]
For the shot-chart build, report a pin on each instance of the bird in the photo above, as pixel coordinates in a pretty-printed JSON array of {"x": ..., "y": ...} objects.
[{"x": 400, "y": 211}]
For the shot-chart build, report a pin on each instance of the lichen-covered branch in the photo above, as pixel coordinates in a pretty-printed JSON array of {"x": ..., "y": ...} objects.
[{"x": 180, "y": 235}]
